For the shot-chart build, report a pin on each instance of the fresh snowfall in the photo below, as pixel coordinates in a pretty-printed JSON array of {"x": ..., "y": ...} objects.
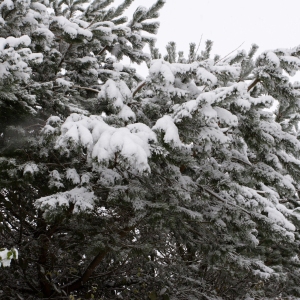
[{"x": 180, "y": 185}]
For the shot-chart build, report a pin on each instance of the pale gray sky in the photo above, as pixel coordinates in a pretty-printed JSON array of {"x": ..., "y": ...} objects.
[{"x": 269, "y": 24}]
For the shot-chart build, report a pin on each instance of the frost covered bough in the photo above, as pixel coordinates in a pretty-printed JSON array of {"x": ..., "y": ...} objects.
[{"x": 180, "y": 185}]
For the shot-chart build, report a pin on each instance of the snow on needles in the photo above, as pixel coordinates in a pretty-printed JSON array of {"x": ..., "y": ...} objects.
[
  {"x": 167, "y": 125},
  {"x": 80, "y": 197},
  {"x": 128, "y": 146}
]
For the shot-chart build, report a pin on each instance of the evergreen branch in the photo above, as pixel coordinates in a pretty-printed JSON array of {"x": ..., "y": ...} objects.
[
  {"x": 85, "y": 88},
  {"x": 80, "y": 87},
  {"x": 9, "y": 12},
  {"x": 223, "y": 200},
  {"x": 78, "y": 283},
  {"x": 138, "y": 88},
  {"x": 102, "y": 51},
  {"x": 253, "y": 84},
  {"x": 242, "y": 161},
  {"x": 64, "y": 56}
]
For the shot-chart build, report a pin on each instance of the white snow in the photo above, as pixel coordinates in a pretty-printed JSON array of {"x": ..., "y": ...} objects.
[
  {"x": 81, "y": 197},
  {"x": 266, "y": 100},
  {"x": 71, "y": 28},
  {"x": 126, "y": 113},
  {"x": 171, "y": 135},
  {"x": 30, "y": 168},
  {"x": 275, "y": 215},
  {"x": 63, "y": 82},
  {"x": 205, "y": 76},
  {"x": 162, "y": 68},
  {"x": 226, "y": 116},
  {"x": 126, "y": 146},
  {"x": 7, "y": 3},
  {"x": 72, "y": 175},
  {"x": 273, "y": 59}
]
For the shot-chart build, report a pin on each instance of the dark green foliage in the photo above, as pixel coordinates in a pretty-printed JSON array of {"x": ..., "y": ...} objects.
[{"x": 180, "y": 186}]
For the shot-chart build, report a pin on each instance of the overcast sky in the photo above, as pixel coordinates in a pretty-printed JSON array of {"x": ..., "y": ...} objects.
[{"x": 269, "y": 24}]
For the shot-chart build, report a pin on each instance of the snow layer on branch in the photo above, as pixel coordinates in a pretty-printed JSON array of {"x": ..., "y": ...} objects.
[
  {"x": 222, "y": 68},
  {"x": 39, "y": 6},
  {"x": 71, "y": 28},
  {"x": 266, "y": 200},
  {"x": 30, "y": 168},
  {"x": 72, "y": 175},
  {"x": 171, "y": 135},
  {"x": 265, "y": 100},
  {"x": 272, "y": 58},
  {"x": 14, "y": 61},
  {"x": 128, "y": 146},
  {"x": 184, "y": 110},
  {"x": 274, "y": 129},
  {"x": 213, "y": 135},
  {"x": 291, "y": 60},
  {"x": 205, "y": 76},
  {"x": 143, "y": 132},
  {"x": 63, "y": 82},
  {"x": 162, "y": 68},
  {"x": 80, "y": 197},
  {"x": 120, "y": 141},
  {"x": 226, "y": 117},
  {"x": 8, "y": 4},
  {"x": 117, "y": 94},
  {"x": 191, "y": 213},
  {"x": 264, "y": 272},
  {"x": 231, "y": 93},
  {"x": 204, "y": 106},
  {"x": 275, "y": 215},
  {"x": 14, "y": 42}
]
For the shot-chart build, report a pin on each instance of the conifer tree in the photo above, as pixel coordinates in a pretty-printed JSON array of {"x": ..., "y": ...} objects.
[
  {"x": 183, "y": 185},
  {"x": 55, "y": 58}
]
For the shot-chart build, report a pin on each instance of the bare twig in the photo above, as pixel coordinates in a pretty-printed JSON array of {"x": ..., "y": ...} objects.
[
  {"x": 198, "y": 46},
  {"x": 229, "y": 53}
]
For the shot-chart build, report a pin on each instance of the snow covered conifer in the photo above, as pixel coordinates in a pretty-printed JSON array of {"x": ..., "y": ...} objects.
[
  {"x": 56, "y": 56},
  {"x": 242, "y": 168},
  {"x": 183, "y": 185}
]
